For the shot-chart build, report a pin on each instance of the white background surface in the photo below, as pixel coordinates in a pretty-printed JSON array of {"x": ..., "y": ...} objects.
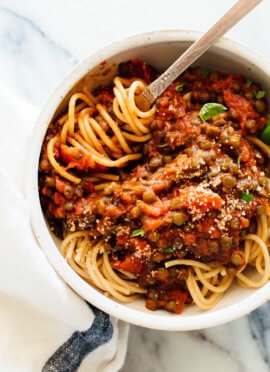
[{"x": 40, "y": 41}]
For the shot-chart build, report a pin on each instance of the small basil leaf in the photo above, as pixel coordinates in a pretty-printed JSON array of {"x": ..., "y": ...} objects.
[
  {"x": 138, "y": 232},
  {"x": 265, "y": 134},
  {"x": 211, "y": 109},
  {"x": 179, "y": 87},
  {"x": 246, "y": 197},
  {"x": 169, "y": 250},
  {"x": 239, "y": 161},
  {"x": 259, "y": 94}
]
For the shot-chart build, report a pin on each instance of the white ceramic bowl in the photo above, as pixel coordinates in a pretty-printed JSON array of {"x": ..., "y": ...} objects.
[{"x": 160, "y": 49}]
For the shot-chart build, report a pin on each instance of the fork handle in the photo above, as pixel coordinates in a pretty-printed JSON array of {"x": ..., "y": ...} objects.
[{"x": 228, "y": 20}]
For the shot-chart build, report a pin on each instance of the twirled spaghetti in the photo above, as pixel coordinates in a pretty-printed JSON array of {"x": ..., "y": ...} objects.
[
  {"x": 170, "y": 204},
  {"x": 91, "y": 136}
]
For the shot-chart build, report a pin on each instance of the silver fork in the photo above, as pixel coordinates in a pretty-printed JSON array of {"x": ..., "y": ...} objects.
[{"x": 238, "y": 11}]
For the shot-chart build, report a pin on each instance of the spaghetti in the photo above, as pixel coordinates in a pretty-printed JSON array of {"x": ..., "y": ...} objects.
[
  {"x": 90, "y": 260},
  {"x": 170, "y": 204},
  {"x": 91, "y": 136}
]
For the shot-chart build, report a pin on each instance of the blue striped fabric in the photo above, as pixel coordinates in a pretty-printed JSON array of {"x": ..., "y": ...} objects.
[{"x": 69, "y": 356}]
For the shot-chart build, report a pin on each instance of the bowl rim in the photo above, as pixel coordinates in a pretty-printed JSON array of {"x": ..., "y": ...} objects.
[{"x": 41, "y": 231}]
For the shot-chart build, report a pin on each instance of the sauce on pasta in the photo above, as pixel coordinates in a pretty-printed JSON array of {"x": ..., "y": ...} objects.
[{"x": 169, "y": 204}]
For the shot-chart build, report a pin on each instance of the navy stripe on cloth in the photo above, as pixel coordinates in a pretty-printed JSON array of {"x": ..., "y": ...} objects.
[{"x": 69, "y": 356}]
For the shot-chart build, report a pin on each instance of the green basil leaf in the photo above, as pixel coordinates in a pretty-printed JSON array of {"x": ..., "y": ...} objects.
[
  {"x": 265, "y": 134},
  {"x": 259, "y": 94},
  {"x": 179, "y": 87},
  {"x": 138, "y": 232},
  {"x": 211, "y": 109},
  {"x": 246, "y": 197},
  {"x": 239, "y": 161},
  {"x": 169, "y": 250},
  {"x": 249, "y": 82},
  {"x": 206, "y": 71}
]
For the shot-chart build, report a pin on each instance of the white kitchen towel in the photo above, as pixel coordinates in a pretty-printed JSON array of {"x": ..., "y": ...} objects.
[{"x": 45, "y": 326}]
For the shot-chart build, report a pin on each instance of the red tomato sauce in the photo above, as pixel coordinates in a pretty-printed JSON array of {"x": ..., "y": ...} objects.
[{"x": 186, "y": 196}]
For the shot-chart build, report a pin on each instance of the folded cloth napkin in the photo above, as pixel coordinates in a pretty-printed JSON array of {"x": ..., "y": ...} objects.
[{"x": 45, "y": 326}]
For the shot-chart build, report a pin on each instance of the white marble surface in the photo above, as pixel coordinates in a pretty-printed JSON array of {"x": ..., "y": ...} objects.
[{"x": 40, "y": 40}]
